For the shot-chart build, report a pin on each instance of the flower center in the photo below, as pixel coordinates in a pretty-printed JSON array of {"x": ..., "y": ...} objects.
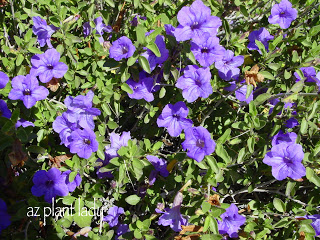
[
  {"x": 282, "y": 13},
  {"x": 204, "y": 50},
  {"x": 176, "y": 116},
  {"x": 49, "y": 66},
  {"x": 287, "y": 160},
  {"x": 49, "y": 183},
  {"x": 198, "y": 82},
  {"x": 27, "y": 92},
  {"x": 195, "y": 25},
  {"x": 200, "y": 143},
  {"x": 87, "y": 141},
  {"x": 125, "y": 50}
]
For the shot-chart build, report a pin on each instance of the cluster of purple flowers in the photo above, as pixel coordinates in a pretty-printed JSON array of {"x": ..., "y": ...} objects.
[
  {"x": 113, "y": 220},
  {"x": 76, "y": 125},
  {"x": 285, "y": 157},
  {"x": 53, "y": 183},
  {"x": 43, "y": 31}
]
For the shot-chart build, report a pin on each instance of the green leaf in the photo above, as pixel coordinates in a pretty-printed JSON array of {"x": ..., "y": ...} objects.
[
  {"x": 267, "y": 75},
  {"x": 261, "y": 47},
  {"x": 157, "y": 146},
  {"x": 144, "y": 64},
  {"x": 244, "y": 11},
  {"x": 125, "y": 87},
  {"x": 141, "y": 34},
  {"x": 225, "y": 136},
  {"x": 19, "y": 59},
  {"x": 297, "y": 87},
  {"x": 206, "y": 223},
  {"x": 221, "y": 152},
  {"x": 249, "y": 90},
  {"x": 83, "y": 218},
  {"x": 279, "y": 205},
  {"x": 212, "y": 163},
  {"x": 154, "y": 48},
  {"x": 312, "y": 176},
  {"x": 162, "y": 92},
  {"x": 133, "y": 199},
  {"x": 304, "y": 126},
  {"x": 205, "y": 206},
  {"x": 262, "y": 98}
]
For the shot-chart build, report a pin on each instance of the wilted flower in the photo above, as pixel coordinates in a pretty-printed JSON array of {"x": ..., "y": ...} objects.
[
  {"x": 103, "y": 163},
  {"x": 198, "y": 142},
  {"x": 4, "y": 79},
  {"x": 113, "y": 215},
  {"x": 122, "y": 48},
  {"x": 151, "y": 57},
  {"x": 172, "y": 216},
  {"x": 231, "y": 221},
  {"x": 23, "y": 123},
  {"x": 195, "y": 83},
  {"x": 83, "y": 142},
  {"x": 281, "y": 137},
  {"x": 62, "y": 126},
  {"x": 86, "y": 29},
  {"x": 4, "y": 110},
  {"x": 43, "y": 31},
  {"x": 75, "y": 183},
  {"x": 261, "y": 35},
  {"x": 50, "y": 184},
  {"x": 283, "y": 14},
  {"x": 196, "y": 20},
  {"x": 141, "y": 89},
  {"x": 27, "y": 89},
  {"x": 169, "y": 29},
  {"x": 228, "y": 66},
  {"x": 253, "y": 76},
  {"x": 174, "y": 118},
  {"x": 47, "y": 65},
  {"x": 80, "y": 110},
  {"x": 207, "y": 50},
  {"x": 285, "y": 160},
  {"x": 117, "y": 142},
  {"x": 122, "y": 229},
  {"x": 101, "y": 28},
  {"x": 135, "y": 21},
  {"x": 4, "y": 216},
  {"x": 160, "y": 166}
]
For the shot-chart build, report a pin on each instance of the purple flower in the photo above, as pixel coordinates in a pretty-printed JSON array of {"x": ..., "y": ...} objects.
[
  {"x": 152, "y": 58},
  {"x": 83, "y": 142},
  {"x": 113, "y": 215},
  {"x": 241, "y": 94},
  {"x": 283, "y": 14},
  {"x": 315, "y": 222},
  {"x": 75, "y": 183},
  {"x": 172, "y": 216},
  {"x": 86, "y": 29},
  {"x": 291, "y": 123},
  {"x": 4, "y": 216},
  {"x": 160, "y": 166},
  {"x": 281, "y": 137},
  {"x": 169, "y": 29},
  {"x": 231, "y": 221},
  {"x": 195, "y": 83},
  {"x": 27, "y": 89},
  {"x": 135, "y": 21},
  {"x": 47, "y": 65},
  {"x": 117, "y": 142},
  {"x": 142, "y": 89},
  {"x": 122, "y": 229},
  {"x": 228, "y": 66},
  {"x": 285, "y": 160},
  {"x": 196, "y": 20},
  {"x": 198, "y": 142},
  {"x": 4, "y": 79},
  {"x": 50, "y": 184},
  {"x": 207, "y": 50},
  {"x": 4, "y": 110},
  {"x": 122, "y": 48},
  {"x": 43, "y": 31},
  {"x": 23, "y": 123},
  {"x": 261, "y": 35},
  {"x": 62, "y": 126},
  {"x": 101, "y": 28},
  {"x": 80, "y": 110},
  {"x": 309, "y": 73},
  {"x": 174, "y": 118}
]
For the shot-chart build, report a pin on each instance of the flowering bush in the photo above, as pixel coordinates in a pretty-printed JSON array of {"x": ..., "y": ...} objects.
[{"x": 159, "y": 119}]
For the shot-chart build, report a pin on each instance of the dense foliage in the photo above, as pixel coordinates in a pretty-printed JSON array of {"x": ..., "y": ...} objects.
[{"x": 159, "y": 119}]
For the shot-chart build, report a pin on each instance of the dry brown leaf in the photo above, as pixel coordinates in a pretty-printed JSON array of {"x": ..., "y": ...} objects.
[
  {"x": 190, "y": 228},
  {"x": 189, "y": 237},
  {"x": 302, "y": 236},
  {"x": 3, "y": 3},
  {"x": 214, "y": 200},
  {"x": 298, "y": 180},
  {"x": 53, "y": 84},
  {"x": 56, "y": 161},
  {"x": 253, "y": 76},
  {"x": 17, "y": 156}
]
